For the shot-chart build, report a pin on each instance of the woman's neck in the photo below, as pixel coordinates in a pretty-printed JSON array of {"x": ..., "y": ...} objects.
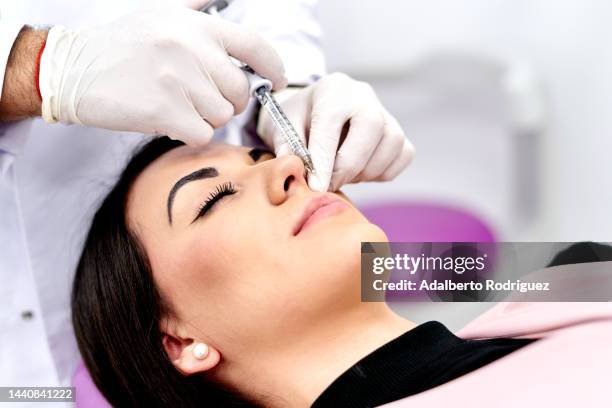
[{"x": 301, "y": 366}]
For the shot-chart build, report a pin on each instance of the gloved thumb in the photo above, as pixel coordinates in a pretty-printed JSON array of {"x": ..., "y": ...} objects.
[
  {"x": 295, "y": 106},
  {"x": 323, "y": 142},
  {"x": 271, "y": 135}
]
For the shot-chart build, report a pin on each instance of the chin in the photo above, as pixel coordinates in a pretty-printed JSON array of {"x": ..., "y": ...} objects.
[
  {"x": 364, "y": 231},
  {"x": 375, "y": 234},
  {"x": 357, "y": 229},
  {"x": 343, "y": 245},
  {"x": 331, "y": 273}
]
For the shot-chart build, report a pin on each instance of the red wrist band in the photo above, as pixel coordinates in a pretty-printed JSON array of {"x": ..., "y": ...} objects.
[{"x": 42, "y": 48}]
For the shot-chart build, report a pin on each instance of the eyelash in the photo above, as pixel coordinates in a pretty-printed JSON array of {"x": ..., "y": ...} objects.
[{"x": 225, "y": 189}]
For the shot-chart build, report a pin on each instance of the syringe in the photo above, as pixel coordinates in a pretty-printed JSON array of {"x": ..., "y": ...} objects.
[
  {"x": 261, "y": 89},
  {"x": 265, "y": 98}
]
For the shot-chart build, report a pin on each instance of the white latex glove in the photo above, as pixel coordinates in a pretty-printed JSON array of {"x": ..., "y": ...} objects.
[
  {"x": 374, "y": 149},
  {"x": 162, "y": 71}
]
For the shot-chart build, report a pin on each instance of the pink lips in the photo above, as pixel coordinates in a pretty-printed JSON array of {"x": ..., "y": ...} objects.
[{"x": 317, "y": 208}]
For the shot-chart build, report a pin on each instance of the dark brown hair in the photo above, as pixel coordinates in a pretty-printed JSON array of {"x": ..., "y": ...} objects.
[{"x": 116, "y": 311}]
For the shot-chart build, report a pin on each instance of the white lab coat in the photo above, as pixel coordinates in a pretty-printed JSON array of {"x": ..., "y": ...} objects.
[{"x": 52, "y": 178}]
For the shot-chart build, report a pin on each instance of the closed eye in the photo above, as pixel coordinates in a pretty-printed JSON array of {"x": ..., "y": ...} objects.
[
  {"x": 227, "y": 189},
  {"x": 223, "y": 190}
]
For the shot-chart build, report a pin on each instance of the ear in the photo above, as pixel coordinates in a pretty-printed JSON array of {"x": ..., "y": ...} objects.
[{"x": 180, "y": 352}]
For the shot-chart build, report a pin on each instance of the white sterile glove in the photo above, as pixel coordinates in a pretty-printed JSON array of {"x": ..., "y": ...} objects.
[
  {"x": 163, "y": 71},
  {"x": 373, "y": 149}
]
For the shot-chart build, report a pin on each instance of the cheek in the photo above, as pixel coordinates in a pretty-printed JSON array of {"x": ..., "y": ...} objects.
[
  {"x": 228, "y": 253},
  {"x": 233, "y": 272},
  {"x": 190, "y": 268}
]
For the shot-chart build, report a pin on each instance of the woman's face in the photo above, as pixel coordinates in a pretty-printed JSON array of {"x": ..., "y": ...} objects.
[{"x": 241, "y": 249}]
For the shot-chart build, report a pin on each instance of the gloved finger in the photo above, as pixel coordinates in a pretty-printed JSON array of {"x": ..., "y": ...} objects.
[
  {"x": 231, "y": 82},
  {"x": 366, "y": 129},
  {"x": 211, "y": 105},
  {"x": 299, "y": 119},
  {"x": 191, "y": 129},
  {"x": 281, "y": 147},
  {"x": 399, "y": 163},
  {"x": 251, "y": 48},
  {"x": 192, "y": 4},
  {"x": 325, "y": 130},
  {"x": 279, "y": 142},
  {"x": 386, "y": 152},
  {"x": 297, "y": 110}
]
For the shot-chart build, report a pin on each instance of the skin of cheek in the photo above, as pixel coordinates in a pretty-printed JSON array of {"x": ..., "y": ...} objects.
[
  {"x": 214, "y": 270},
  {"x": 271, "y": 285},
  {"x": 238, "y": 271}
]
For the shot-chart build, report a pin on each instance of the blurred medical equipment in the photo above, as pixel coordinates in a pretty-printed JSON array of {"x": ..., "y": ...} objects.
[
  {"x": 477, "y": 122},
  {"x": 261, "y": 89}
]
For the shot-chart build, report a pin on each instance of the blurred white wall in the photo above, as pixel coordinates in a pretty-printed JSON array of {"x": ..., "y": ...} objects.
[{"x": 566, "y": 45}]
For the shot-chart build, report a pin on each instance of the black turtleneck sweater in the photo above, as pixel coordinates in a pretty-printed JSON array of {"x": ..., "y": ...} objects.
[{"x": 422, "y": 358}]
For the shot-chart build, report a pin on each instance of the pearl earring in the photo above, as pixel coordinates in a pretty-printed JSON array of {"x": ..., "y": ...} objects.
[{"x": 200, "y": 351}]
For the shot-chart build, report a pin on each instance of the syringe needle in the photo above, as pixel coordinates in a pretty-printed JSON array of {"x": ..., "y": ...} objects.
[
  {"x": 280, "y": 120},
  {"x": 261, "y": 88}
]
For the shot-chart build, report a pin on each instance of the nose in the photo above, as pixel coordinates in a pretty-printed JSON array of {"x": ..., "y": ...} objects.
[{"x": 285, "y": 175}]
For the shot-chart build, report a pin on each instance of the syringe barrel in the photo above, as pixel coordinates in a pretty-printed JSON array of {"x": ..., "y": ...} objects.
[
  {"x": 255, "y": 81},
  {"x": 267, "y": 101}
]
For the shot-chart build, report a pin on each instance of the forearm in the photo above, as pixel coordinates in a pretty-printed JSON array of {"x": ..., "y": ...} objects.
[{"x": 20, "y": 99}]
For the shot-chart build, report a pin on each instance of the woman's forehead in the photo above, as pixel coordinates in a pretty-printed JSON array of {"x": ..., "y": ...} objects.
[
  {"x": 182, "y": 160},
  {"x": 188, "y": 153},
  {"x": 156, "y": 180}
]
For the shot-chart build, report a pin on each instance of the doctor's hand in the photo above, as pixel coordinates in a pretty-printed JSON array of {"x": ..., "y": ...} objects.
[
  {"x": 163, "y": 71},
  {"x": 350, "y": 135}
]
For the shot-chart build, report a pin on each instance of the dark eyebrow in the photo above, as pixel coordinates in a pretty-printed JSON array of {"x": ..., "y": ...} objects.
[{"x": 206, "y": 172}]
